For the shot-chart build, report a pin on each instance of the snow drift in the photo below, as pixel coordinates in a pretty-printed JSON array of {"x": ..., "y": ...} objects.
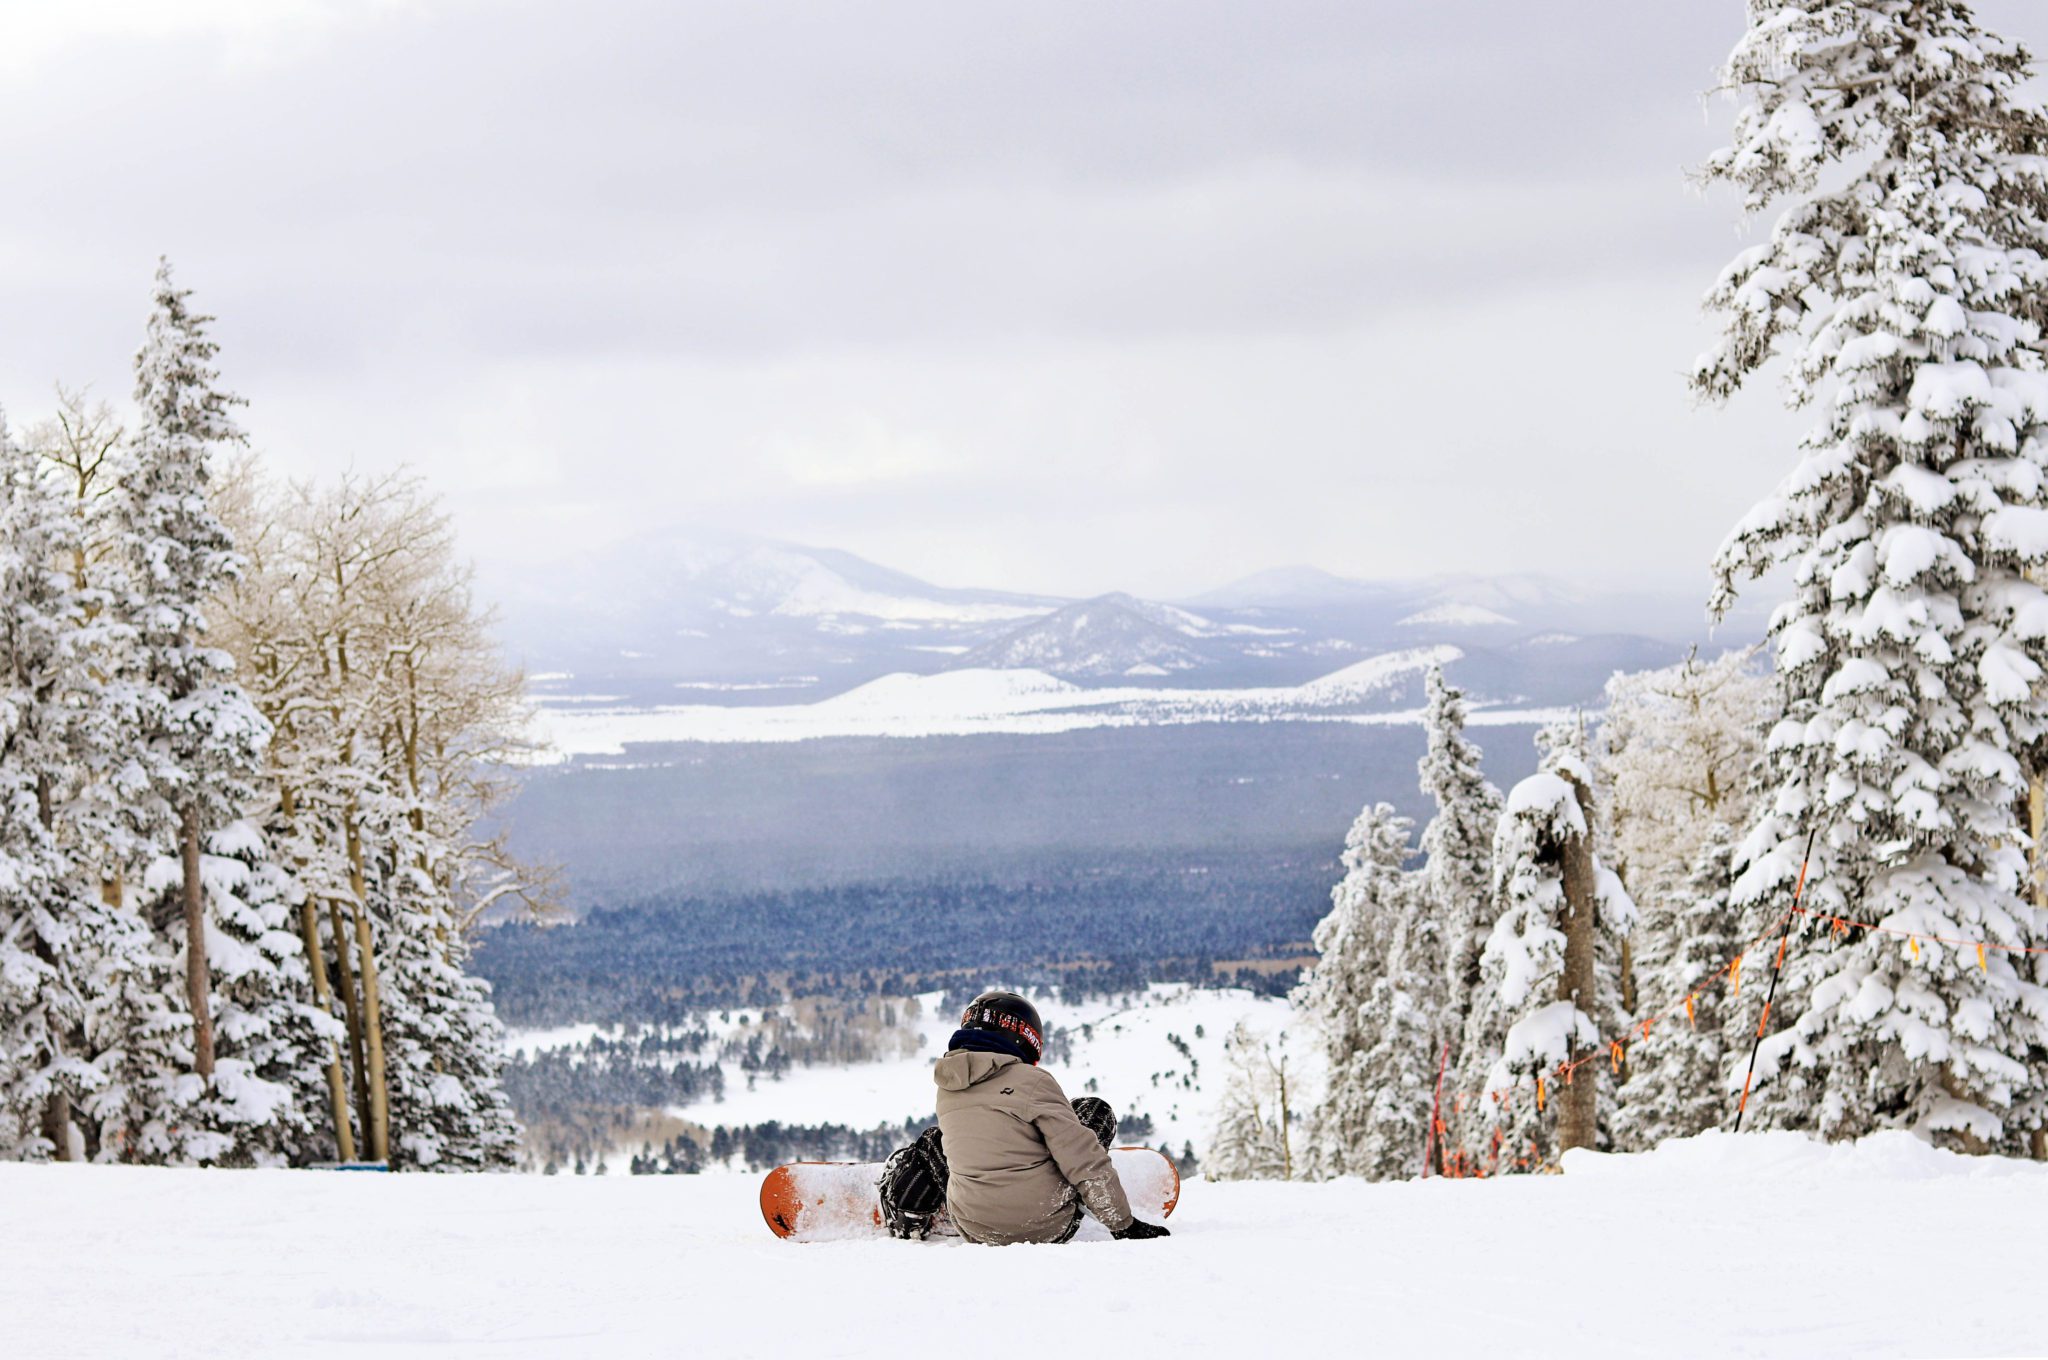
[{"x": 1715, "y": 1245}]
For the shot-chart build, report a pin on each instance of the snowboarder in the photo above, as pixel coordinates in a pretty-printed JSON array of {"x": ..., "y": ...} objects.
[{"x": 1011, "y": 1160}]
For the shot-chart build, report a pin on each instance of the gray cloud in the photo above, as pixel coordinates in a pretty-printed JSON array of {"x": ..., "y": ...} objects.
[{"x": 1060, "y": 296}]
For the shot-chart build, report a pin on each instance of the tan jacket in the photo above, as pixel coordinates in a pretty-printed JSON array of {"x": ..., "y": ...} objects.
[{"x": 1016, "y": 1155}]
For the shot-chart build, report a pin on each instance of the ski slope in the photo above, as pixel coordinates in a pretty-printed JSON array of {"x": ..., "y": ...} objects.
[
  {"x": 1765, "y": 1245},
  {"x": 1159, "y": 1054}
]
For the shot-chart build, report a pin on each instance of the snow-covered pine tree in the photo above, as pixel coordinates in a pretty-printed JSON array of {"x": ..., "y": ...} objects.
[
  {"x": 1677, "y": 1076},
  {"x": 193, "y": 1091},
  {"x": 266, "y": 1103},
  {"x": 1903, "y": 285},
  {"x": 443, "y": 1044},
  {"x": 1550, "y": 989},
  {"x": 1457, "y": 875},
  {"x": 1345, "y": 992},
  {"x": 202, "y": 740},
  {"x": 97, "y": 822},
  {"x": 1392, "y": 1084},
  {"x": 50, "y": 933}
]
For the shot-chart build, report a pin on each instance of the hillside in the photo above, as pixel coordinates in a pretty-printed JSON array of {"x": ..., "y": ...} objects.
[
  {"x": 1683, "y": 1251},
  {"x": 1112, "y": 635},
  {"x": 707, "y": 616}
]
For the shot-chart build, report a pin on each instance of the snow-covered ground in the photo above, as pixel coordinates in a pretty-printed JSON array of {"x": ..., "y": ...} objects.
[
  {"x": 987, "y": 701},
  {"x": 1756, "y": 1246},
  {"x": 1126, "y": 1047}
]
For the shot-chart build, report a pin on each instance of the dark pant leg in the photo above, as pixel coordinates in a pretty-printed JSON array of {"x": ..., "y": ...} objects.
[
  {"x": 1098, "y": 1117},
  {"x": 913, "y": 1186}
]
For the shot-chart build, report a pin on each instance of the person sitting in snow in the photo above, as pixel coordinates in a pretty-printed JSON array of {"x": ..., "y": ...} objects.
[{"x": 1011, "y": 1159}]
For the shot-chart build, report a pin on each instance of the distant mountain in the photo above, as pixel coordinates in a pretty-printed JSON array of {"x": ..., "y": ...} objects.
[
  {"x": 1453, "y": 600},
  {"x": 739, "y": 616},
  {"x": 1110, "y": 635},
  {"x": 1291, "y": 588},
  {"x": 699, "y": 578},
  {"x": 1379, "y": 679},
  {"x": 1455, "y": 615},
  {"x": 728, "y": 619}
]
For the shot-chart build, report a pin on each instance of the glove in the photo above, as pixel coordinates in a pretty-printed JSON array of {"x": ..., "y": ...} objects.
[{"x": 1139, "y": 1231}]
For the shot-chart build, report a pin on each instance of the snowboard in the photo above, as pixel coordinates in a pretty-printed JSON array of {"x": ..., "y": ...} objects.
[{"x": 837, "y": 1201}]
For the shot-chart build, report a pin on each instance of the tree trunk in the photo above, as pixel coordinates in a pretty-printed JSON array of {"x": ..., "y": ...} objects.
[
  {"x": 378, "y": 1131},
  {"x": 352, "y": 1012},
  {"x": 1578, "y": 1121},
  {"x": 2037, "y": 813},
  {"x": 1286, "y": 1127},
  {"x": 57, "y": 1109},
  {"x": 197, "y": 990},
  {"x": 337, "y": 1082},
  {"x": 57, "y": 1125}
]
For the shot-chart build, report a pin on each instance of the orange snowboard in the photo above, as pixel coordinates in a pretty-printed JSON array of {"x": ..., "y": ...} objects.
[{"x": 833, "y": 1201}]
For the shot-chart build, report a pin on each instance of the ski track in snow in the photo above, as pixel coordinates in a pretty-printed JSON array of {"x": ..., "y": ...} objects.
[{"x": 1679, "y": 1252}]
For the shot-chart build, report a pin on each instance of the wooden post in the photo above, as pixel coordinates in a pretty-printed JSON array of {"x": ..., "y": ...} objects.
[{"x": 197, "y": 983}]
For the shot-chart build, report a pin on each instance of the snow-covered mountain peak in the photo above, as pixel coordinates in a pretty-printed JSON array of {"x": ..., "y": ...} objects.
[
  {"x": 956, "y": 693},
  {"x": 1454, "y": 614},
  {"x": 1375, "y": 675},
  {"x": 1110, "y": 635},
  {"x": 1165, "y": 615}
]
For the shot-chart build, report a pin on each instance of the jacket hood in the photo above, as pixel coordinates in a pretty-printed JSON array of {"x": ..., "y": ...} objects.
[{"x": 963, "y": 1068}]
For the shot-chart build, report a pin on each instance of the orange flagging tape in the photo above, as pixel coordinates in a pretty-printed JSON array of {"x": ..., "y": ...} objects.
[
  {"x": 1732, "y": 970},
  {"x": 1841, "y": 925}
]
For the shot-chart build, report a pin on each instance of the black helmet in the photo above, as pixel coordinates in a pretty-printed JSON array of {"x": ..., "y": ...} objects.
[{"x": 1010, "y": 1014}]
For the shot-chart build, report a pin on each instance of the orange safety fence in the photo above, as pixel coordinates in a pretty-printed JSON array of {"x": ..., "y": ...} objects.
[
  {"x": 1842, "y": 925},
  {"x": 1458, "y": 1162},
  {"x": 1614, "y": 1050}
]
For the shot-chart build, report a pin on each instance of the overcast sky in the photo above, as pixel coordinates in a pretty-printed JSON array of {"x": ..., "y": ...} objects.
[{"x": 1058, "y": 296}]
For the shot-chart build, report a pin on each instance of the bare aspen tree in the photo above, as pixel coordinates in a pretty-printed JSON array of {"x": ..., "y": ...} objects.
[{"x": 395, "y": 717}]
